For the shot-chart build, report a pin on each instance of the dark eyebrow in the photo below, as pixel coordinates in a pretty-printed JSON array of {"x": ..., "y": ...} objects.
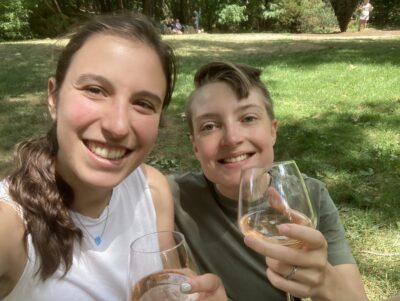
[
  {"x": 144, "y": 93},
  {"x": 148, "y": 95},
  {"x": 88, "y": 76}
]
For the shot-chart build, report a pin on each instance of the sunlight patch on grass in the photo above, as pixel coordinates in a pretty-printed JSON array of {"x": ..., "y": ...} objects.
[{"x": 378, "y": 255}]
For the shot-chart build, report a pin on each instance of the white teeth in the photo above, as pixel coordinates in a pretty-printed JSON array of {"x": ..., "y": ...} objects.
[
  {"x": 236, "y": 159},
  {"x": 106, "y": 152}
]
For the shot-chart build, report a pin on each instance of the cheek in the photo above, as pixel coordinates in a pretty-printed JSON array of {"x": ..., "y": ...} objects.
[
  {"x": 206, "y": 149},
  {"x": 146, "y": 129},
  {"x": 75, "y": 113}
]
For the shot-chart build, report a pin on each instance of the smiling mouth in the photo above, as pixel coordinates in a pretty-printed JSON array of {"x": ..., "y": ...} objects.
[
  {"x": 107, "y": 152},
  {"x": 236, "y": 159}
]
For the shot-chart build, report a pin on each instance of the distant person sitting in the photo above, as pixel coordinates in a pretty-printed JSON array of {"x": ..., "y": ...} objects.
[
  {"x": 365, "y": 8},
  {"x": 178, "y": 27},
  {"x": 168, "y": 25}
]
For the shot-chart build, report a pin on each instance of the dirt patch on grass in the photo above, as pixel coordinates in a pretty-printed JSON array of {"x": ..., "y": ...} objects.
[
  {"x": 366, "y": 34},
  {"x": 265, "y": 43}
]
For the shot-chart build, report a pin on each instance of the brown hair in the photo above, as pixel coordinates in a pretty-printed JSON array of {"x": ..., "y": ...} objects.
[
  {"x": 240, "y": 77},
  {"x": 34, "y": 184}
]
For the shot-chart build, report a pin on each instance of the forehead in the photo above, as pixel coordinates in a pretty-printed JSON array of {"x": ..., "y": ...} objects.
[
  {"x": 220, "y": 97},
  {"x": 122, "y": 60},
  {"x": 112, "y": 46}
]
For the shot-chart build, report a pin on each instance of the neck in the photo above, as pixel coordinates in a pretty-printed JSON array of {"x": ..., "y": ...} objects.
[
  {"x": 91, "y": 203},
  {"x": 229, "y": 192}
]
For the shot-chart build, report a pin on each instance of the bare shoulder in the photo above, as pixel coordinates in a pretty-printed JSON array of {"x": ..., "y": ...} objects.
[
  {"x": 162, "y": 197},
  {"x": 156, "y": 180},
  {"x": 11, "y": 242},
  {"x": 153, "y": 175}
]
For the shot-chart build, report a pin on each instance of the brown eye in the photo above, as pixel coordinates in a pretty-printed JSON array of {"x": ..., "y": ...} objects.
[
  {"x": 94, "y": 90},
  {"x": 249, "y": 118},
  {"x": 145, "y": 105},
  {"x": 208, "y": 127}
]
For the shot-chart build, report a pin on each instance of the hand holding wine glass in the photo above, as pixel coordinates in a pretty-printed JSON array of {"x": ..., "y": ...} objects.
[
  {"x": 162, "y": 269},
  {"x": 159, "y": 263},
  {"x": 271, "y": 196}
]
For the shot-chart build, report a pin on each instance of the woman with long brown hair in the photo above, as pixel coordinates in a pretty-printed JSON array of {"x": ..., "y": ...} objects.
[{"x": 80, "y": 195}]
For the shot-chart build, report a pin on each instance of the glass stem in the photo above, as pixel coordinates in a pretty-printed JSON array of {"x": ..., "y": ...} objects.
[{"x": 289, "y": 297}]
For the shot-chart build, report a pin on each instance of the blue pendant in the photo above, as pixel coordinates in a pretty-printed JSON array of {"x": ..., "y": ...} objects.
[{"x": 97, "y": 240}]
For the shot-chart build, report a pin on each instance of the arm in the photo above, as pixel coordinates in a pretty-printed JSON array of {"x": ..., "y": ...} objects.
[
  {"x": 162, "y": 198},
  {"x": 12, "y": 250}
]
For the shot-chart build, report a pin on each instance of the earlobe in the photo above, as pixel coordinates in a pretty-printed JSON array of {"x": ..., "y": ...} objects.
[
  {"x": 274, "y": 129},
  {"x": 194, "y": 147},
  {"x": 51, "y": 97}
]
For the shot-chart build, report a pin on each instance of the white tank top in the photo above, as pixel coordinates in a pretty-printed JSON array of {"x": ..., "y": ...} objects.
[{"x": 98, "y": 273}]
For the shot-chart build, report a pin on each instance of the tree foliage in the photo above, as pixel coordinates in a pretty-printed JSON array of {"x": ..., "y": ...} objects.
[
  {"x": 48, "y": 18},
  {"x": 232, "y": 15},
  {"x": 14, "y": 16},
  {"x": 301, "y": 15},
  {"x": 386, "y": 13}
]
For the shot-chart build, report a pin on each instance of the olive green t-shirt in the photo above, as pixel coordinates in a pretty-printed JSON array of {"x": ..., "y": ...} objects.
[{"x": 208, "y": 221}]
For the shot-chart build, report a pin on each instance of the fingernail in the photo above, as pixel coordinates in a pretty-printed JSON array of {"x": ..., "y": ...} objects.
[
  {"x": 249, "y": 240},
  {"x": 283, "y": 228},
  {"x": 186, "y": 287}
]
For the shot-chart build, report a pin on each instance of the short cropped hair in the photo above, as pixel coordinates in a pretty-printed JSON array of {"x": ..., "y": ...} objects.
[{"x": 240, "y": 78}]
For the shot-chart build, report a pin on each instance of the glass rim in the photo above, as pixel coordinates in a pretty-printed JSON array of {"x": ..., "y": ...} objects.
[{"x": 173, "y": 232}]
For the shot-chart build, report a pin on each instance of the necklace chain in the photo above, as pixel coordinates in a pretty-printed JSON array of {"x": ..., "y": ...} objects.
[{"x": 98, "y": 238}]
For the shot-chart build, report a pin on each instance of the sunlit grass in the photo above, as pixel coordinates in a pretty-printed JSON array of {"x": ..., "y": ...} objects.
[{"x": 338, "y": 106}]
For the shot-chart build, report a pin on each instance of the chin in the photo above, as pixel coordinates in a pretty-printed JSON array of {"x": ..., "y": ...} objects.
[{"x": 105, "y": 180}]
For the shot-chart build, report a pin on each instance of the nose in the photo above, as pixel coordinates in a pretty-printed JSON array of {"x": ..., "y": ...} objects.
[
  {"x": 115, "y": 121},
  {"x": 232, "y": 135}
]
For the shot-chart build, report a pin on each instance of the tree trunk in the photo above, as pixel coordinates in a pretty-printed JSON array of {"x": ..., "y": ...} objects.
[
  {"x": 344, "y": 10},
  {"x": 185, "y": 14},
  {"x": 148, "y": 8},
  {"x": 57, "y": 7}
]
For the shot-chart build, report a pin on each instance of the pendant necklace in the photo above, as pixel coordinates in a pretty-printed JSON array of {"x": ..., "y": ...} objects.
[{"x": 98, "y": 238}]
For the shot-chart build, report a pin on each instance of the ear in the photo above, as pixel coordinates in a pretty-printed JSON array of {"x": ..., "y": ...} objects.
[
  {"x": 274, "y": 130},
  {"x": 193, "y": 143},
  {"x": 194, "y": 147},
  {"x": 51, "y": 97}
]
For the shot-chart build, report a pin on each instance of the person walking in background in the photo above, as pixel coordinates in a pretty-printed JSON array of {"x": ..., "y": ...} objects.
[
  {"x": 365, "y": 9},
  {"x": 196, "y": 21},
  {"x": 79, "y": 196}
]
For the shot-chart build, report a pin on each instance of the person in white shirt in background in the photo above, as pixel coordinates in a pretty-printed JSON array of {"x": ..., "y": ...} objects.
[{"x": 365, "y": 8}]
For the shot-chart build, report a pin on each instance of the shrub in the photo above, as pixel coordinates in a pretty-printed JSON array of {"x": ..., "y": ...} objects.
[
  {"x": 302, "y": 15},
  {"x": 231, "y": 16},
  {"x": 14, "y": 23}
]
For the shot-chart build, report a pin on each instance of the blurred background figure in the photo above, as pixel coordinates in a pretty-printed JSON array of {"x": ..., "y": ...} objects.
[{"x": 365, "y": 8}]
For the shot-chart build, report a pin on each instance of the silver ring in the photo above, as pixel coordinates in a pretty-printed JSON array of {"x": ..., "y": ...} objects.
[{"x": 292, "y": 273}]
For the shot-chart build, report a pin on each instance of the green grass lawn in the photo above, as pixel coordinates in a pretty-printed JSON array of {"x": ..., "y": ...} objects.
[{"x": 338, "y": 106}]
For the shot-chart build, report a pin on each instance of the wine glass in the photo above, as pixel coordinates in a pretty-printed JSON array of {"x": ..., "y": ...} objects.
[
  {"x": 274, "y": 195},
  {"x": 159, "y": 263}
]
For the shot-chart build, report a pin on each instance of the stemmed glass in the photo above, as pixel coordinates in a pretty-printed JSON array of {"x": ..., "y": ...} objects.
[
  {"x": 159, "y": 263},
  {"x": 274, "y": 195}
]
